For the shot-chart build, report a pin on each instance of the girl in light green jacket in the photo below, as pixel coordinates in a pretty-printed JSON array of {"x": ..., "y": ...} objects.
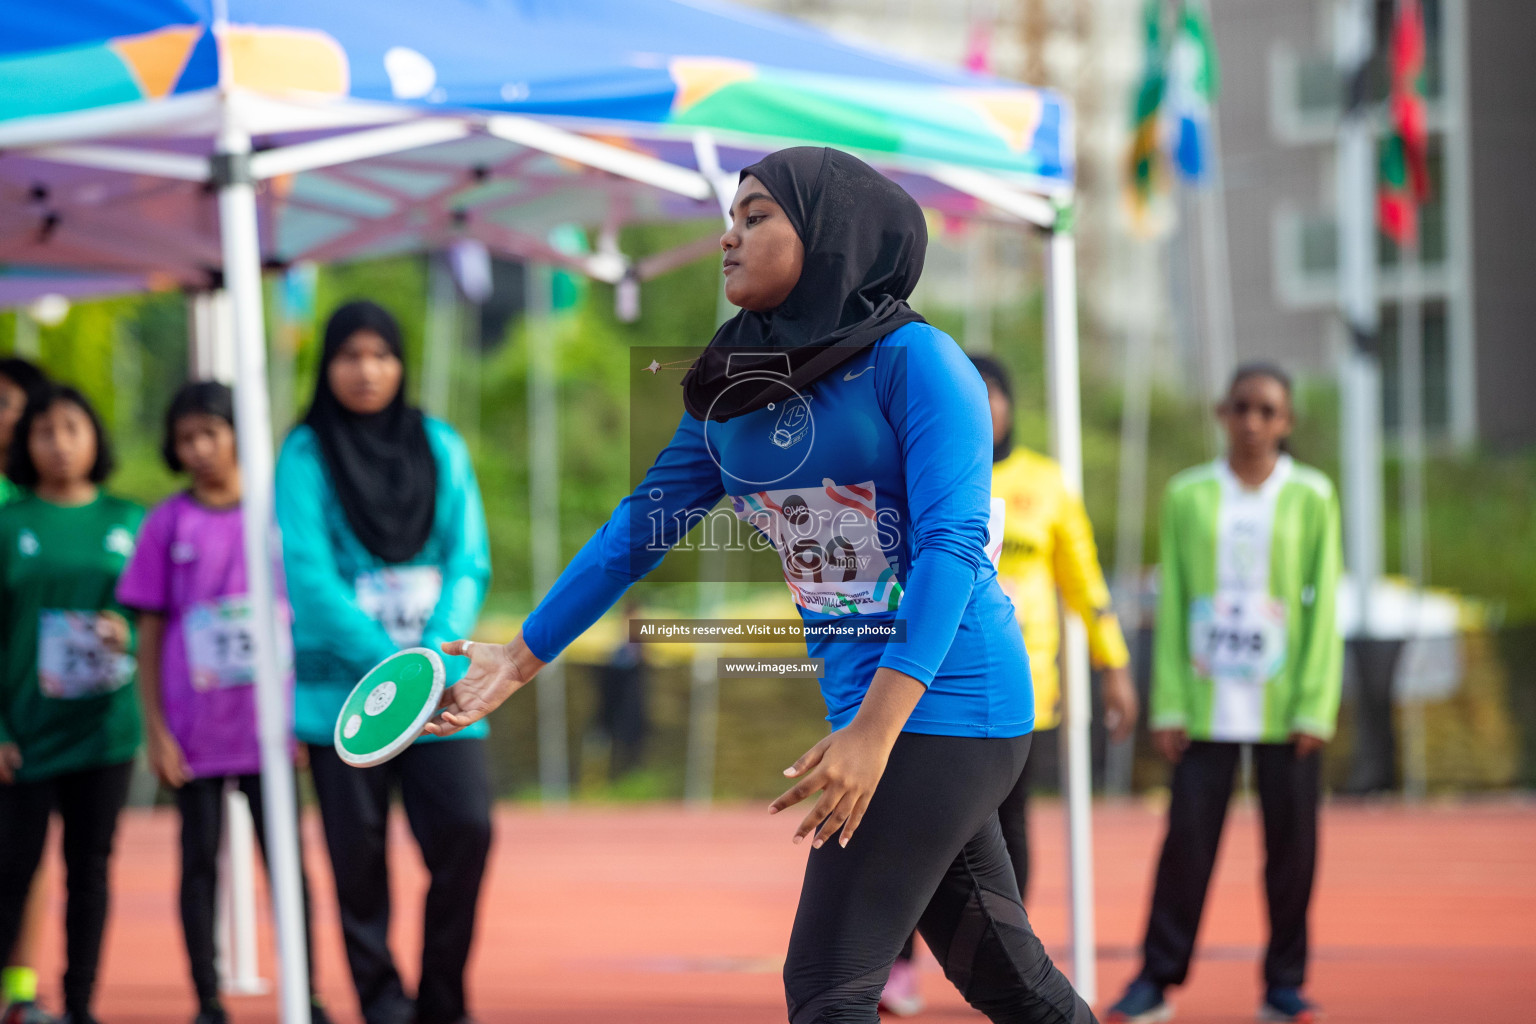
[{"x": 1247, "y": 651}]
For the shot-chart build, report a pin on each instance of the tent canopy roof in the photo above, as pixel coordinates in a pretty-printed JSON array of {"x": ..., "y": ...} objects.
[
  {"x": 496, "y": 119},
  {"x": 665, "y": 64}
]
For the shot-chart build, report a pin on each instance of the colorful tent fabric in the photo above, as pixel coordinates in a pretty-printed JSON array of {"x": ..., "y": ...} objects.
[
  {"x": 648, "y": 77},
  {"x": 664, "y": 64}
]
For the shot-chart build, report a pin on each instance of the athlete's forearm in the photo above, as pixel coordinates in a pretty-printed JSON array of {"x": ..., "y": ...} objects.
[
  {"x": 151, "y": 636},
  {"x": 888, "y": 704}
]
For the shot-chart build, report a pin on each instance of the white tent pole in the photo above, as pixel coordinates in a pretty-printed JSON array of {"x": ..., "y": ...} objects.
[
  {"x": 242, "y": 277},
  {"x": 1067, "y": 444}
]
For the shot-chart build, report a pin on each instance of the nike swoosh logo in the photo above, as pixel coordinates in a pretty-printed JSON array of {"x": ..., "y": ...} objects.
[{"x": 855, "y": 376}]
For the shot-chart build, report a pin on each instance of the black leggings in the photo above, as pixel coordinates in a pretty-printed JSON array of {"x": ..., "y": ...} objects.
[
  {"x": 929, "y": 854},
  {"x": 201, "y": 802},
  {"x": 446, "y": 791},
  {"x": 89, "y": 803}
]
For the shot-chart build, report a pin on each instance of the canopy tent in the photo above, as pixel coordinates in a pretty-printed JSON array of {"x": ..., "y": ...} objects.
[{"x": 203, "y": 141}]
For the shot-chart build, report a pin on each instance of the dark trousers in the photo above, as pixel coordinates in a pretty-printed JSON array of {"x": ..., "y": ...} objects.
[
  {"x": 447, "y": 796},
  {"x": 1013, "y": 819},
  {"x": 201, "y": 803},
  {"x": 929, "y": 854},
  {"x": 89, "y": 803},
  {"x": 1202, "y": 788},
  {"x": 1013, "y": 816}
]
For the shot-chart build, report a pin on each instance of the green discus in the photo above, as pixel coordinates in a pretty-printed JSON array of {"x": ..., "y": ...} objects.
[{"x": 387, "y": 710}]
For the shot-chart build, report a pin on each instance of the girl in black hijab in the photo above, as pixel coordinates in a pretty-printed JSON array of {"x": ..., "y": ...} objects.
[
  {"x": 380, "y": 462},
  {"x": 857, "y": 439},
  {"x": 385, "y": 548}
]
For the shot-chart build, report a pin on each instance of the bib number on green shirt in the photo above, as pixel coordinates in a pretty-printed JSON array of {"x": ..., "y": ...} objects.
[
  {"x": 1237, "y": 637},
  {"x": 72, "y": 662}
]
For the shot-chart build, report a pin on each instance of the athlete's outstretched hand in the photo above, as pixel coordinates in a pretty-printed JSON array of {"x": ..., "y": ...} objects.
[
  {"x": 847, "y": 765},
  {"x": 496, "y": 671}
]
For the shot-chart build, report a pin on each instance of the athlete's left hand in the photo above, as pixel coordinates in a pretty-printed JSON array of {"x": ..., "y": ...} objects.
[
  {"x": 846, "y": 767},
  {"x": 1306, "y": 745}
]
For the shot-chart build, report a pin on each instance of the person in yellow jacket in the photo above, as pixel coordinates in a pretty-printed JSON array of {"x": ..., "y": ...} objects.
[{"x": 1048, "y": 556}]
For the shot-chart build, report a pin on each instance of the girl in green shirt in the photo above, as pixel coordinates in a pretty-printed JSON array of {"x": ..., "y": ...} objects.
[
  {"x": 69, "y": 723},
  {"x": 1247, "y": 651},
  {"x": 19, "y": 380}
]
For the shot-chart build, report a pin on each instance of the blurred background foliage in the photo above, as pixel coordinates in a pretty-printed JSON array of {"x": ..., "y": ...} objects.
[{"x": 129, "y": 355}]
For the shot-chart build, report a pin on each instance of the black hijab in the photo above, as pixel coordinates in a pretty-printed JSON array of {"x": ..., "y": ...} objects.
[
  {"x": 381, "y": 464},
  {"x": 864, "y": 241}
]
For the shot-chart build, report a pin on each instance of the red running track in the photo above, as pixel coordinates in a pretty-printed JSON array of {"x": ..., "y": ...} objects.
[{"x": 664, "y": 916}]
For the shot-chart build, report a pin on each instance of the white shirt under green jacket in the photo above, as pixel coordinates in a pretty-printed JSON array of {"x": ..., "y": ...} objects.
[{"x": 1247, "y": 646}]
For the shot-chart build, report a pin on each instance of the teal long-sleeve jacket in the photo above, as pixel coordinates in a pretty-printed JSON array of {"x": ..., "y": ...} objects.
[{"x": 338, "y": 587}]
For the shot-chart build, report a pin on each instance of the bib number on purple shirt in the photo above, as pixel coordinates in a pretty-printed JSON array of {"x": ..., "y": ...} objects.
[{"x": 221, "y": 643}]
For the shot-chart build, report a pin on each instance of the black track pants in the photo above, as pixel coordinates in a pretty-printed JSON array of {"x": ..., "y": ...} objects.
[
  {"x": 1202, "y": 788},
  {"x": 201, "y": 803},
  {"x": 929, "y": 854},
  {"x": 89, "y": 802},
  {"x": 446, "y": 790}
]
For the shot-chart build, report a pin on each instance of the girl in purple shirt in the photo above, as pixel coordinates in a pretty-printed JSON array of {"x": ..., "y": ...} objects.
[{"x": 187, "y": 583}]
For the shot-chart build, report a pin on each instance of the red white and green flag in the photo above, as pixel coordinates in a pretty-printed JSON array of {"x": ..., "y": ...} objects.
[{"x": 1404, "y": 158}]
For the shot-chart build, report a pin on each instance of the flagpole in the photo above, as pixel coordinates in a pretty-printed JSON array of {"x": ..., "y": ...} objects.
[
  {"x": 1359, "y": 370},
  {"x": 1410, "y": 359},
  {"x": 1215, "y": 254}
]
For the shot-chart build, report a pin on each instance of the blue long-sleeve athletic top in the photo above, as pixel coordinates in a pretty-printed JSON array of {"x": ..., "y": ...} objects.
[
  {"x": 351, "y": 610},
  {"x": 874, "y": 486}
]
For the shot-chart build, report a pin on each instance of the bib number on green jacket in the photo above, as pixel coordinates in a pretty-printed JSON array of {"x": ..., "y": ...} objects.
[{"x": 1237, "y": 637}]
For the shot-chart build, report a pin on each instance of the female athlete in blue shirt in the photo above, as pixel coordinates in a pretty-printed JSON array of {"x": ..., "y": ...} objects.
[{"x": 857, "y": 439}]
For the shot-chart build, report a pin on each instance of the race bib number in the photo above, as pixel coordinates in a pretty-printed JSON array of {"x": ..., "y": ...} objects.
[
  {"x": 401, "y": 600},
  {"x": 1238, "y": 637},
  {"x": 72, "y": 662},
  {"x": 221, "y": 643},
  {"x": 828, "y": 539}
]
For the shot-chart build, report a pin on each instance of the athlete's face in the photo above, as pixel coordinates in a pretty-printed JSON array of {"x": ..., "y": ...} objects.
[
  {"x": 1257, "y": 415},
  {"x": 62, "y": 444},
  {"x": 1002, "y": 412},
  {"x": 205, "y": 445},
  {"x": 763, "y": 254},
  {"x": 365, "y": 375}
]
